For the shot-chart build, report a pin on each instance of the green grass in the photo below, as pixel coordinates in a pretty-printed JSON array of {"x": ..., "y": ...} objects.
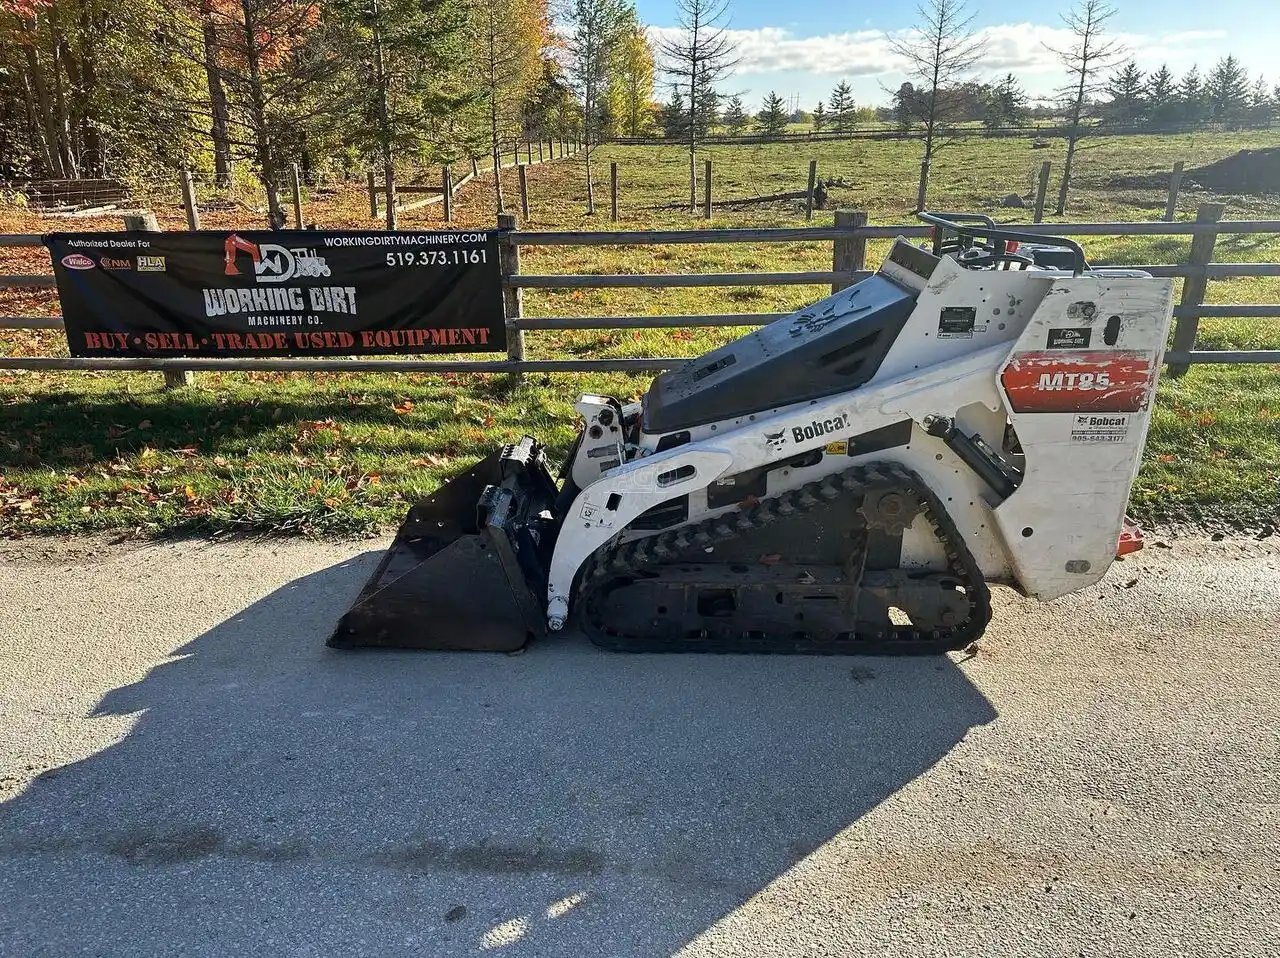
[{"x": 342, "y": 454}]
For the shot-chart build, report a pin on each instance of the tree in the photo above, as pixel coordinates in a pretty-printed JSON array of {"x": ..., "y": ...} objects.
[
  {"x": 938, "y": 53},
  {"x": 842, "y": 107},
  {"x": 1089, "y": 53},
  {"x": 595, "y": 28},
  {"x": 275, "y": 64},
  {"x": 1162, "y": 96},
  {"x": 1191, "y": 99},
  {"x": 735, "y": 116},
  {"x": 819, "y": 117},
  {"x": 631, "y": 82},
  {"x": 773, "y": 115},
  {"x": 89, "y": 89},
  {"x": 707, "y": 112},
  {"x": 1227, "y": 91},
  {"x": 1005, "y": 104},
  {"x": 906, "y": 104},
  {"x": 506, "y": 38},
  {"x": 396, "y": 90},
  {"x": 1261, "y": 106},
  {"x": 698, "y": 58},
  {"x": 1128, "y": 93},
  {"x": 673, "y": 115},
  {"x": 550, "y": 110}
]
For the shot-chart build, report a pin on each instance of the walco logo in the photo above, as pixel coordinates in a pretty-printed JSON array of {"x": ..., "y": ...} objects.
[
  {"x": 272, "y": 263},
  {"x": 77, "y": 261}
]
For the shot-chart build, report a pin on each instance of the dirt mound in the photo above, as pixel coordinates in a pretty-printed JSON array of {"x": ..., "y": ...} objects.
[{"x": 1249, "y": 171}]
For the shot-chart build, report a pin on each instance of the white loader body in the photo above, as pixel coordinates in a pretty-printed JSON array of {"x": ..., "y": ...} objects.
[{"x": 1067, "y": 363}]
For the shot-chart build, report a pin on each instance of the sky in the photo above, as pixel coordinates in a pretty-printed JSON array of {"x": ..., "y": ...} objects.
[{"x": 803, "y": 48}]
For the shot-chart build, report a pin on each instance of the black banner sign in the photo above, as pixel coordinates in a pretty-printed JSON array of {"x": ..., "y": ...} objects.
[{"x": 279, "y": 293}]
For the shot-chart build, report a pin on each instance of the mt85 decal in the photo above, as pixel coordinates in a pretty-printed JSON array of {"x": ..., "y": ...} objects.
[{"x": 1101, "y": 381}]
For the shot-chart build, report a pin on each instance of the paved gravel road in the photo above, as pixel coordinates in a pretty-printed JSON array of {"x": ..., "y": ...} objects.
[{"x": 186, "y": 770}]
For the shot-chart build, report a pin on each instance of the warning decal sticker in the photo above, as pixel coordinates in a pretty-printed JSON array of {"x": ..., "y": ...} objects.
[{"x": 1095, "y": 382}]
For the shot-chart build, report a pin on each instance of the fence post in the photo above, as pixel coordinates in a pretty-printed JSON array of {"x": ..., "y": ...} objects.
[
  {"x": 613, "y": 191},
  {"x": 373, "y": 194},
  {"x": 1175, "y": 184},
  {"x": 446, "y": 184},
  {"x": 189, "y": 201},
  {"x": 808, "y": 196},
  {"x": 540, "y": 142},
  {"x": 706, "y": 191},
  {"x": 1193, "y": 287},
  {"x": 528, "y": 149},
  {"x": 1042, "y": 188},
  {"x": 848, "y": 254},
  {"x": 524, "y": 192},
  {"x": 295, "y": 180},
  {"x": 512, "y": 296}
]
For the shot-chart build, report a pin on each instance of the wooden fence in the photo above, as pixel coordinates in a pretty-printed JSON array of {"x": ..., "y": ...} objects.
[
  {"x": 848, "y": 238},
  {"x": 880, "y": 130}
]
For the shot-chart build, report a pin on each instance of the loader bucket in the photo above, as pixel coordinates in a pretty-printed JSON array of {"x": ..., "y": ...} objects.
[{"x": 467, "y": 570}]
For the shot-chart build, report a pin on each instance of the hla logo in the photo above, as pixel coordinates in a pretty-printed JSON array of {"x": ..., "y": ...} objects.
[
  {"x": 272, "y": 263},
  {"x": 1055, "y": 382},
  {"x": 819, "y": 427}
]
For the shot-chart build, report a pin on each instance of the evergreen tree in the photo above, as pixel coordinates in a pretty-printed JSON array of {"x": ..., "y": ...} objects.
[
  {"x": 1005, "y": 104},
  {"x": 773, "y": 116},
  {"x": 735, "y": 116},
  {"x": 1260, "y": 103},
  {"x": 819, "y": 117},
  {"x": 1227, "y": 90},
  {"x": 1162, "y": 96},
  {"x": 1128, "y": 95},
  {"x": 840, "y": 115},
  {"x": 1191, "y": 97},
  {"x": 906, "y": 105},
  {"x": 706, "y": 113},
  {"x": 673, "y": 115}
]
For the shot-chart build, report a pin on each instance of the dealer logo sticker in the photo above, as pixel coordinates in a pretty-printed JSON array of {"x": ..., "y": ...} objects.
[
  {"x": 110, "y": 262},
  {"x": 1069, "y": 338},
  {"x": 77, "y": 261},
  {"x": 1099, "y": 428},
  {"x": 151, "y": 264}
]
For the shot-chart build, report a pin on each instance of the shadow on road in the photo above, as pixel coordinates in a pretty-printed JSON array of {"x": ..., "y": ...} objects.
[{"x": 277, "y": 797}]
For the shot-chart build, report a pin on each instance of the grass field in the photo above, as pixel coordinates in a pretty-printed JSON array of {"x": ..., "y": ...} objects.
[{"x": 328, "y": 453}]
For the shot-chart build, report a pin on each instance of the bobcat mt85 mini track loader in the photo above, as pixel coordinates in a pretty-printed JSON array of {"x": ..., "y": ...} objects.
[{"x": 847, "y": 479}]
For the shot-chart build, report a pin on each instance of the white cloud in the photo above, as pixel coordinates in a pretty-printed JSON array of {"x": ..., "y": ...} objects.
[{"x": 1021, "y": 47}]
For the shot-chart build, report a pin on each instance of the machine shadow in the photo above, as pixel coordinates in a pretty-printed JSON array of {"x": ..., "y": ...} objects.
[{"x": 279, "y": 797}]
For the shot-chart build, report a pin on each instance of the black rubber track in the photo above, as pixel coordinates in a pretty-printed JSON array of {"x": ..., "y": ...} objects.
[{"x": 615, "y": 564}]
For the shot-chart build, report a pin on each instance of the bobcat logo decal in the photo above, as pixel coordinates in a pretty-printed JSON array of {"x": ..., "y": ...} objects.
[{"x": 775, "y": 440}]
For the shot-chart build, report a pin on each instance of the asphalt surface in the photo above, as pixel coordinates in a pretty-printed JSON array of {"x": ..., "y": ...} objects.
[{"x": 185, "y": 769}]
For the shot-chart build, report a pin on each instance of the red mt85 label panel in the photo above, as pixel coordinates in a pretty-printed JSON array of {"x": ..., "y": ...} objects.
[{"x": 1095, "y": 381}]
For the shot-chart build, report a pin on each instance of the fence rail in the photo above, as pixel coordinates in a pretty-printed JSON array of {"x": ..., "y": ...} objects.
[
  {"x": 848, "y": 239},
  {"x": 881, "y": 130}
]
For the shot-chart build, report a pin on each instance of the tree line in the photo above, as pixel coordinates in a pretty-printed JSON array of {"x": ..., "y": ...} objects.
[{"x": 138, "y": 88}]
